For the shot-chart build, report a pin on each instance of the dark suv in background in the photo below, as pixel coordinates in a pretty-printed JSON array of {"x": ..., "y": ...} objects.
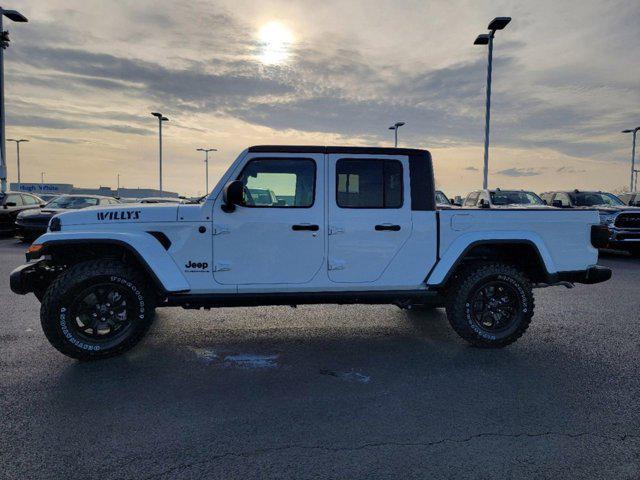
[
  {"x": 623, "y": 221},
  {"x": 11, "y": 204}
]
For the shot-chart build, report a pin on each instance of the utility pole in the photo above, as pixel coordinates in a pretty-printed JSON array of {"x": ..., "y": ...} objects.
[
  {"x": 634, "y": 131},
  {"x": 4, "y": 43},
  {"x": 18, "y": 142},
  {"x": 395, "y": 127},
  {"x": 206, "y": 163},
  {"x": 497, "y": 23},
  {"x": 161, "y": 118}
]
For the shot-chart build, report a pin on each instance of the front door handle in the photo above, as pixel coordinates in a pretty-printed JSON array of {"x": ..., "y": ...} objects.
[
  {"x": 305, "y": 226},
  {"x": 387, "y": 227}
]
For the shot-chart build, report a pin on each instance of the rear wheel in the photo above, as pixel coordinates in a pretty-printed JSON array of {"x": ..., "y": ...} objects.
[
  {"x": 97, "y": 309},
  {"x": 490, "y": 304}
]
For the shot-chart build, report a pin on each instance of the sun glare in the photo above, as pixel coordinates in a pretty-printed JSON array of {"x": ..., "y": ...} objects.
[{"x": 275, "y": 43}]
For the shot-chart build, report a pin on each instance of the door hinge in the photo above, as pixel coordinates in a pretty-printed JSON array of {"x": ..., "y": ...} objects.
[
  {"x": 220, "y": 229},
  {"x": 334, "y": 230},
  {"x": 336, "y": 265},
  {"x": 221, "y": 267}
]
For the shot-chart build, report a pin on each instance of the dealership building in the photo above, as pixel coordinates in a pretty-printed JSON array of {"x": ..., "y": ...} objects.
[{"x": 68, "y": 188}]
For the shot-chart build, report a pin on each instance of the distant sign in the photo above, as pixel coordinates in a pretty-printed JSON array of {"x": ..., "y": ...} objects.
[{"x": 44, "y": 188}]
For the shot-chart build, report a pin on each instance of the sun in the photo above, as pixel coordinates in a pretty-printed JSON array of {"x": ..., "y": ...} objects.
[{"x": 275, "y": 43}]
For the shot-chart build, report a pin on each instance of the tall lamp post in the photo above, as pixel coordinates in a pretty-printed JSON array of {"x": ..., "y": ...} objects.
[
  {"x": 161, "y": 118},
  {"x": 206, "y": 163},
  {"x": 15, "y": 16},
  {"x": 395, "y": 128},
  {"x": 18, "y": 142},
  {"x": 497, "y": 23},
  {"x": 634, "y": 131}
]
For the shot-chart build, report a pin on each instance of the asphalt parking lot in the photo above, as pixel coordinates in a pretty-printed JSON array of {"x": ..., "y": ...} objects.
[{"x": 330, "y": 392}]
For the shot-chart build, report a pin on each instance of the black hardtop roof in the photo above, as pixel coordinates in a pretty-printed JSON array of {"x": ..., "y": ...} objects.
[{"x": 337, "y": 149}]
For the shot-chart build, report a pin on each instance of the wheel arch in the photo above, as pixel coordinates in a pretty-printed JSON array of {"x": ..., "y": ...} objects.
[{"x": 143, "y": 251}]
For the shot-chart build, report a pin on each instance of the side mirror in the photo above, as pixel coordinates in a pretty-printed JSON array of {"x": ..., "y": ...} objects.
[
  {"x": 42, "y": 205},
  {"x": 452, "y": 201},
  {"x": 233, "y": 194},
  {"x": 483, "y": 203},
  {"x": 10, "y": 204},
  {"x": 556, "y": 203}
]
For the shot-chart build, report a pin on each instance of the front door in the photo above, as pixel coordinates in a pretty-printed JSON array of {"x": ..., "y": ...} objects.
[
  {"x": 369, "y": 215},
  {"x": 277, "y": 236}
]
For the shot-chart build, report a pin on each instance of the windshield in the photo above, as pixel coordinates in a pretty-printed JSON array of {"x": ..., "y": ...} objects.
[
  {"x": 591, "y": 199},
  {"x": 505, "y": 197},
  {"x": 72, "y": 203}
]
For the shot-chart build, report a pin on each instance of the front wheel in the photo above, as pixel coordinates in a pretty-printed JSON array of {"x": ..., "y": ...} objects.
[
  {"x": 97, "y": 309},
  {"x": 490, "y": 304}
]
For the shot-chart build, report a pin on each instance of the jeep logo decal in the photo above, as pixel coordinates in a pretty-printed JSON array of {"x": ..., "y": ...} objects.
[
  {"x": 196, "y": 265},
  {"x": 120, "y": 215}
]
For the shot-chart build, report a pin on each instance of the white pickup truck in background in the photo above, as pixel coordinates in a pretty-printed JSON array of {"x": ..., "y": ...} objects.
[{"x": 336, "y": 225}]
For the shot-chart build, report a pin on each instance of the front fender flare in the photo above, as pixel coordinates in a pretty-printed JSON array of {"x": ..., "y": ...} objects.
[
  {"x": 461, "y": 245},
  {"x": 151, "y": 254}
]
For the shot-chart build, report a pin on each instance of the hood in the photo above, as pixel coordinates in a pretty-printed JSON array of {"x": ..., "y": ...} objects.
[
  {"x": 121, "y": 214},
  {"x": 36, "y": 213},
  {"x": 611, "y": 209},
  {"x": 523, "y": 206}
]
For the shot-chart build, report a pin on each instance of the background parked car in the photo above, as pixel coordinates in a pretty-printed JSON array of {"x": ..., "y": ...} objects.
[
  {"x": 503, "y": 199},
  {"x": 161, "y": 200},
  {"x": 12, "y": 203},
  {"x": 632, "y": 199},
  {"x": 33, "y": 223},
  {"x": 623, "y": 221},
  {"x": 442, "y": 201}
]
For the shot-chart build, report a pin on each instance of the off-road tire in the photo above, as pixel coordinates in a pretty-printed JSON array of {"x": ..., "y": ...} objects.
[
  {"x": 460, "y": 295},
  {"x": 66, "y": 288}
]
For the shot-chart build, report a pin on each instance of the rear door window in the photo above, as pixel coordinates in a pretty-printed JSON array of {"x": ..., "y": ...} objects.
[{"x": 369, "y": 183}]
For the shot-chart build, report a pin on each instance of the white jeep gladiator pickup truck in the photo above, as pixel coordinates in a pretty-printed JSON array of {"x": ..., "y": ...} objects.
[{"x": 340, "y": 225}]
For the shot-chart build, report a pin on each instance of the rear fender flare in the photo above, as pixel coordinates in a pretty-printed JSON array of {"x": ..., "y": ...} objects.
[{"x": 453, "y": 255}]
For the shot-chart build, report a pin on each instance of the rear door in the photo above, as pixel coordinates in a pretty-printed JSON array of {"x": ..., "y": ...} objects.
[{"x": 369, "y": 215}]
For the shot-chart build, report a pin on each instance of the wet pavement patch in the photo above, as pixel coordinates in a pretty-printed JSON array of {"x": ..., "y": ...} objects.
[
  {"x": 351, "y": 376},
  {"x": 237, "y": 360}
]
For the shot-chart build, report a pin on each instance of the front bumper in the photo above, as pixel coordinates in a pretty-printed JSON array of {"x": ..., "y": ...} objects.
[
  {"x": 623, "y": 239},
  {"x": 593, "y": 274},
  {"x": 24, "y": 279},
  {"x": 30, "y": 230}
]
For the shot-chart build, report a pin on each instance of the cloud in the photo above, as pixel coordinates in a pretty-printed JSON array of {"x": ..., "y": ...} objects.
[
  {"x": 569, "y": 170},
  {"x": 520, "y": 172}
]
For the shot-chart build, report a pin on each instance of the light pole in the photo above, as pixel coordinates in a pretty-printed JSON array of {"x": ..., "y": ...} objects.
[
  {"x": 395, "y": 128},
  {"x": 634, "y": 131},
  {"x": 206, "y": 163},
  {"x": 41, "y": 182},
  {"x": 118, "y": 190},
  {"x": 18, "y": 142},
  {"x": 497, "y": 23},
  {"x": 15, "y": 16},
  {"x": 161, "y": 118}
]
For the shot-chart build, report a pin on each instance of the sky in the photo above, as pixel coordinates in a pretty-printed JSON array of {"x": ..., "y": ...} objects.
[{"x": 83, "y": 76}]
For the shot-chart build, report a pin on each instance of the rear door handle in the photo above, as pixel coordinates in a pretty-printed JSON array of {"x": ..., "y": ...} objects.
[
  {"x": 305, "y": 226},
  {"x": 387, "y": 227}
]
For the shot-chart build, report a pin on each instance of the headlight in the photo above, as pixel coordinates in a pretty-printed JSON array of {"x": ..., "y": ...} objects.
[{"x": 607, "y": 219}]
